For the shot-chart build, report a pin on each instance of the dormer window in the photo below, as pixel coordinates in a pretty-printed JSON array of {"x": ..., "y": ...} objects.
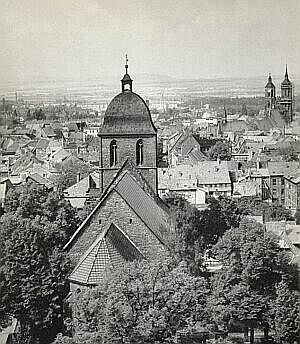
[
  {"x": 113, "y": 153},
  {"x": 139, "y": 152}
]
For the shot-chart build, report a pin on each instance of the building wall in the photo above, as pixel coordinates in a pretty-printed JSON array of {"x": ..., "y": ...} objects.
[
  {"x": 126, "y": 148},
  {"x": 292, "y": 195},
  {"x": 115, "y": 210},
  {"x": 277, "y": 189}
]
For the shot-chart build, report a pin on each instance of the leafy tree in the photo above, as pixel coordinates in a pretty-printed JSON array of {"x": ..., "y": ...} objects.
[
  {"x": 39, "y": 114},
  {"x": 288, "y": 153},
  {"x": 220, "y": 150},
  {"x": 69, "y": 173},
  {"x": 32, "y": 200},
  {"x": 255, "y": 206},
  {"x": 143, "y": 302},
  {"x": 221, "y": 215},
  {"x": 244, "y": 291},
  {"x": 34, "y": 272},
  {"x": 82, "y": 338},
  {"x": 197, "y": 230},
  {"x": 186, "y": 242},
  {"x": 33, "y": 269},
  {"x": 285, "y": 314}
]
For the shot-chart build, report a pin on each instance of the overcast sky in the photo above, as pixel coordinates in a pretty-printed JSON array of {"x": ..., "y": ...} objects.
[{"x": 83, "y": 39}]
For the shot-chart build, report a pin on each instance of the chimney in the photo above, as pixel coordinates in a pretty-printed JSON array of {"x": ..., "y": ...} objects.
[
  {"x": 78, "y": 177},
  {"x": 147, "y": 102}
]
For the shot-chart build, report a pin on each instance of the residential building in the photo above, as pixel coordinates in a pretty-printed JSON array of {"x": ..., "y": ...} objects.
[
  {"x": 195, "y": 182},
  {"x": 277, "y": 171},
  {"x": 292, "y": 190}
]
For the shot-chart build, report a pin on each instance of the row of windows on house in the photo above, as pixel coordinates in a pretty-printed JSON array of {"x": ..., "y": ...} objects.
[{"x": 113, "y": 153}]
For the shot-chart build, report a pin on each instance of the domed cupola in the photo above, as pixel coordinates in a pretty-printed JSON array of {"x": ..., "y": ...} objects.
[
  {"x": 127, "y": 113},
  {"x": 270, "y": 84}
]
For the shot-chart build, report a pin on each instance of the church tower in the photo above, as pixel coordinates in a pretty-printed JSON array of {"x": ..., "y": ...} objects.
[
  {"x": 286, "y": 100},
  {"x": 270, "y": 96},
  {"x": 128, "y": 135}
]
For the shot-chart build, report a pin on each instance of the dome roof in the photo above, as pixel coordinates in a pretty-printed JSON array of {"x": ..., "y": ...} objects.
[
  {"x": 127, "y": 113},
  {"x": 270, "y": 83}
]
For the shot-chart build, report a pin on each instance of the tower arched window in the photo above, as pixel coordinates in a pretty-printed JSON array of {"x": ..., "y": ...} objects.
[
  {"x": 139, "y": 152},
  {"x": 113, "y": 153}
]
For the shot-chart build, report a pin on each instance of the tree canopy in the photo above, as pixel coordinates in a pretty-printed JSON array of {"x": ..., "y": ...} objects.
[
  {"x": 220, "y": 150},
  {"x": 35, "y": 225},
  {"x": 196, "y": 230},
  {"x": 69, "y": 172},
  {"x": 143, "y": 302},
  {"x": 255, "y": 206},
  {"x": 244, "y": 291}
]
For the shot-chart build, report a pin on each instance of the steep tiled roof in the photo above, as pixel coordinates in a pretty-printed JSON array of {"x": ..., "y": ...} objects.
[
  {"x": 151, "y": 212},
  {"x": 48, "y": 131},
  {"x": 204, "y": 173},
  {"x": 205, "y": 142},
  {"x": 110, "y": 250},
  {"x": 144, "y": 206},
  {"x": 128, "y": 113},
  {"x": 294, "y": 176},
  {"x": 42, "y": 144},
  {"x": 39, "y": 179},
  {"x": 282, "y": 167},
  {"x": 235, "y": 126}
]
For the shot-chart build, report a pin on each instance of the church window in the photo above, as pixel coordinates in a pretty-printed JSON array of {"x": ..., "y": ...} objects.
[
  {"x": 139, "y": 152},
  {"x": 113, "y": 153}
]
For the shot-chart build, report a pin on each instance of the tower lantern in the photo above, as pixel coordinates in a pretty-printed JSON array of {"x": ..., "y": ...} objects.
[{"x": 126, "y": 81}]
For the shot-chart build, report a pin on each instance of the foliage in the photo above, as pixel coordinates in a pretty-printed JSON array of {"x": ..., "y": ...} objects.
[
  {"x": 244, "y": 291},
  {"x": 83, "y": 338},
  {"x": 288, "y": 153},
  {"x": 285, "y": 314},
  {"x": 255, "y": 206},
  {"x": 196, "y": 230},
  {"x": 69, "y": 172},
  {"x": 34, "y": 274},
  {"x": 32, "y": 200},
  {"x": 143, "y": 302},
  {"x": 33, "y": 269},
  {"x": 220, "y": 150}
]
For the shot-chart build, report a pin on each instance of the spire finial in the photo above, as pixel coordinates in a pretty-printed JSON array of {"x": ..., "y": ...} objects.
[
  {"x": 126, "y": 64},
  {"x": 286, "y": 71}
]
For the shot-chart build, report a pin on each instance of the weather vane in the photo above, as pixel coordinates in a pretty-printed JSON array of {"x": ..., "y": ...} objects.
[{"x": 126, "y": 65}]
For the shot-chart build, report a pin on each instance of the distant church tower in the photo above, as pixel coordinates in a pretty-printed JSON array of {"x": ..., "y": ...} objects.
[
  {"x": 286, "y": 100},
  {"x": 270, "y": 95},
  {"x": 128, "y": 134}
]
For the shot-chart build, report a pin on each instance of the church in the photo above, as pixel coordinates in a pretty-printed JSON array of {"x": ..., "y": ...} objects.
[
  {"x": 283, "y": 104},
  {"x": 129, "y": 221}
]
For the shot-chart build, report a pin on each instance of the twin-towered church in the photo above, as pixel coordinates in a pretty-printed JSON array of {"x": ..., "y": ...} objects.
[
  {"x": 284, "y": 103},
  {"x": 130, "y": 220}
]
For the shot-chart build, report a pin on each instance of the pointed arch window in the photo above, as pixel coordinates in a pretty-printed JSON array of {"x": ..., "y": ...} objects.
[
  {"x": 139, "y": 152},
  {"x": 113, "y": 153}
]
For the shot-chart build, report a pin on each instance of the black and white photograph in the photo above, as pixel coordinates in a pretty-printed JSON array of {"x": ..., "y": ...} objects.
[{"x": 149, "y": 172}]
